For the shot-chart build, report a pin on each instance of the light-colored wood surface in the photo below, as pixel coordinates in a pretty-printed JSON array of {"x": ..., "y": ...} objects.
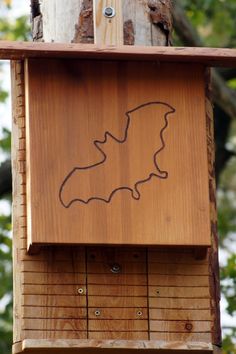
[
  {"x": 73, "y": 23},
  {"x": 108, "y": 31},
  {"x": 63, "y": 25},
  {"x": 206, "y": 56},
  {"x": 174, "y": 314},
  {"x": 110, "y": 346},
  {"x": 117, "y": 155},
  {"x": 138, "y": 26},
  {"x": 18, "y": 186}
]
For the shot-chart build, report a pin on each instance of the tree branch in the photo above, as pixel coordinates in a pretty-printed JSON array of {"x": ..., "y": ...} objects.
[
  {"x": 227, "y": 73},
  {"x": 5, "y": 178},
  {"x": 222, "y": 94},
  {"x": 223, "y": 97}
]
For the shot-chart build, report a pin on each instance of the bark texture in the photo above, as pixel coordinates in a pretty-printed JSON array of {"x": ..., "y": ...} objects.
[
  {"x": 84, "y": 29},
  {"x": 36, "y": 21},
  {"x": 146, "y": 22}
]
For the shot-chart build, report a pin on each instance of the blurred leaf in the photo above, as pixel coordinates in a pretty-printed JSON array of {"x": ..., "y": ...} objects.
[
  {"x": 228, "y": 345},
  {"x": 7, "y": 3},
  {"x": 232, "y": 83},
  {"x": 15, "y": 30},
  {"x": 3, "y": 95},
  {"x": 5, "y": 142}
]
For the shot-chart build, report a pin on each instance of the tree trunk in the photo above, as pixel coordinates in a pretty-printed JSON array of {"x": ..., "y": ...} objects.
[{"x": 146, "y": 22}]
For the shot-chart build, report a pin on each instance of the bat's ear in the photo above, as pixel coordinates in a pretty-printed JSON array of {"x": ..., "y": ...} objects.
[{"x": 150, "y": 108}]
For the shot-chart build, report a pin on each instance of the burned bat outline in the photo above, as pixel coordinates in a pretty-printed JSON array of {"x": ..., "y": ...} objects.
[{"x": 121, "y": 141}]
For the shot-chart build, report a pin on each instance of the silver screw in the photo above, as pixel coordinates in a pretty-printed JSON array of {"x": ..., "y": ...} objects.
[
  {"x": 109, "y": 12},
  {"x": 139, "y": 313},
  {"x": 97, "y": 313},
  {"x": 80, "y": 291},
  {"x": 115, "y": 268}
]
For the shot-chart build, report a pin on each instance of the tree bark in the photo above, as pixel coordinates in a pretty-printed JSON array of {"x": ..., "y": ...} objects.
[{"x": 146, "y": 22}]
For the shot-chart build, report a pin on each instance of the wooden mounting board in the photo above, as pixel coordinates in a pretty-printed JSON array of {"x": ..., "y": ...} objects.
[
  {"x": 116, "y": 153},
  {"x": 206, "y": 56}
]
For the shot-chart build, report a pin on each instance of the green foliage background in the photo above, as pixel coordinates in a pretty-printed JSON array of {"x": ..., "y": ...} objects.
[{"x": 215, "y": 21}]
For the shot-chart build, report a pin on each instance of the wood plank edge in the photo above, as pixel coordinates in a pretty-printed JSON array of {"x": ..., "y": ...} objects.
[
  {"x": 31, "y": 344},
  {"x": 207, "y": 56},
  {"x": 17, "y": 348}
]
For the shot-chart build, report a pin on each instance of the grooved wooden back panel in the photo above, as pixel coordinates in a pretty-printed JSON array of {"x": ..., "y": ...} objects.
[{"x": 116, "y": 153}]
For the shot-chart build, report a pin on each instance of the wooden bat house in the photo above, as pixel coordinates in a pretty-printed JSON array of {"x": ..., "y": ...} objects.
[{"x": 114, "y": 216}]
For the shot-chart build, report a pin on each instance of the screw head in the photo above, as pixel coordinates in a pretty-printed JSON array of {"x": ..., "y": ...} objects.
[
  {"x": 97, "y": 313},
  {"x": 109, "y": 12},
  {"x": 115, "y": 268},
  {"x": 188, "y": 327},
  {"x": 80, "y": 291},
  {"x": 139, "y": 313}
]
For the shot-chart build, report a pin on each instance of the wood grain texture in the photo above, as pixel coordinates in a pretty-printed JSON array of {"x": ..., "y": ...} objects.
[
  {"x": 109, "y": 346},
  {"x": 213, "y": 254},
  {"x": 206, "y": 56},
  {"x": 138, "y": 26},
  {"x": 117, "y": 309},
  {"x": 108, "y": 31},
  {"x": 18, "y": 177},
  {"x": 41, "y": 281},
  {"x": 62, "y": 25},
  {"x": 115, "y": 167},
  {"x": 74, "y": 22}
]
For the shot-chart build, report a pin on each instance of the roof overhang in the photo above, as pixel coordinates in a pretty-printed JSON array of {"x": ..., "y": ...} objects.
[{"x": 205, "y": 56}]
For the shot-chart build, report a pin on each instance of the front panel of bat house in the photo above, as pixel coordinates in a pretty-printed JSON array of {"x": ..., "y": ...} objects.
[{"x": 116, "y": 153}]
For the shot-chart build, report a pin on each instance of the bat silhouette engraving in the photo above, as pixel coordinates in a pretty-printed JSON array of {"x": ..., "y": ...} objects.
[{"x": 131, "y": 158}]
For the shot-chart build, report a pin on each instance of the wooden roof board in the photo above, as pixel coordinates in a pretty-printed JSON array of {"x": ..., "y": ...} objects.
[{"x": 206, "y": 56}]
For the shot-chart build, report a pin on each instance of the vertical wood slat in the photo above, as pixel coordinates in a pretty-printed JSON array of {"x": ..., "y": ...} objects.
[
  {"x": 213, "y": 257},
  {"x": 108, "y": 31},
  {"x": 19, "y": 202}
]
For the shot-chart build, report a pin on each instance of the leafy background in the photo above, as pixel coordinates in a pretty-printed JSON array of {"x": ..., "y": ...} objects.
[{"x": 211, "y": 23}]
